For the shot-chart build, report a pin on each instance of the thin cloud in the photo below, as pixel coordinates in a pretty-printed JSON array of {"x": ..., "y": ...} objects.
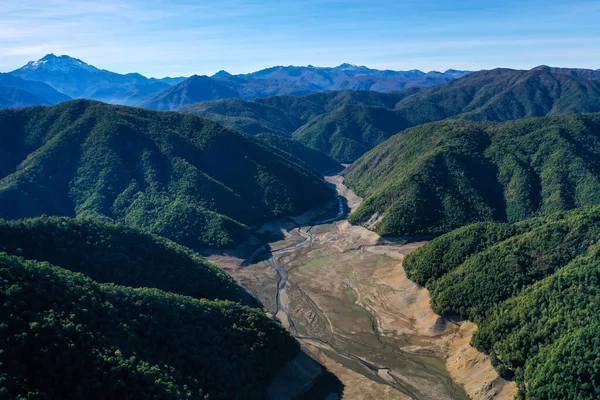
[{"x": 183, "y": 37}]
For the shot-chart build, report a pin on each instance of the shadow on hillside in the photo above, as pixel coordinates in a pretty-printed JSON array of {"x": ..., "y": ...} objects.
[{"x": 325, "y": 388}]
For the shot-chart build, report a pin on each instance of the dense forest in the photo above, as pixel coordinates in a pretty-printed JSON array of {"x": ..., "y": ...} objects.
[
  {"x": 175, "y": 175},
  {"x": 347, "y": 124},
  {"x": 440, "y": 176},
  {"x": 299, "y": 153},
  {"x": 533, "y": 288},
  {"x": 66, "y": 335},
  {"x": 116, "y": 254}
]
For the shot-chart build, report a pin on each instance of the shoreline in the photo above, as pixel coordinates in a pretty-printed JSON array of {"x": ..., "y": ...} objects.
[{"x": 348, "y": 287}]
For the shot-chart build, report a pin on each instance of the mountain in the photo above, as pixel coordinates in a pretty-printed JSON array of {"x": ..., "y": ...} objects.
[
  {"x": 17, "y": 92},
  {"x": 169, "y": 81},
  {"x": 320, "y": 121},
  {"x": 192, "y": 90},
  {"x": 68, "y": 336},
  {"x": 436, "y": 177},
  {"x": 299, "y": 153},
  {"x": 349, "y": 131},
  {"x": 343, "y": 125},
  {"x": 505, "y": 94},
  {"x": 111, "y": 253},
  {"x": 533, "y": 288},
  {"x": 293, "y": 80},
  {"x": 179, "y": 176},
  {"x": 18, "y": 98},
  {"x": 77, "y": 79},
  {"x": 296, "y": 81}
]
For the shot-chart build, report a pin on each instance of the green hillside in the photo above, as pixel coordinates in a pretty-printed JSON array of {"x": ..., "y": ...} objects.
[
  {"x": 116, "y": 254},
  {"x": 343, "y": 125},
  {"x": 299, "y": 153},
  {"x": 350, "y": 131},
  {"x": 533, "y": 288},
  {"x": 436, "y": 177},
  {"x": 64, "y": 336},
  {"x": 251, "y": 117},
  {"x": 346, "y": 124},
  {"x": 176, "y": 175},
  {"x": 505, "y": 94}
]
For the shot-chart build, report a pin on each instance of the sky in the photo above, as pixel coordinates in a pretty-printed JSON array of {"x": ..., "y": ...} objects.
[{"x": 184, "y": 37}]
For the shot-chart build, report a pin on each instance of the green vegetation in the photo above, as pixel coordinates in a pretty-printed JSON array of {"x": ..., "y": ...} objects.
[
  {"x": 343, "y": 125},
  {"x": 440, "y": 176},
  {"x": 66, "y": 336},
  {"x": 251, "y": 117},
  {"x": 115, "y": 254},
  {"x": 350, "y": 131},
  {"x": 533, "y": 288},
  {"x": 178, "y": 176},
  {"x": 299, "y": 153},
  {"x": 346, "y": 124},
  {"x": 76, "y": 331},
  {"x": 505, "y": 94}
]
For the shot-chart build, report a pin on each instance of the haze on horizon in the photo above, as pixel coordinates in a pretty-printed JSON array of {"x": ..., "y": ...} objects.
[{"x": 182, "y": 37}]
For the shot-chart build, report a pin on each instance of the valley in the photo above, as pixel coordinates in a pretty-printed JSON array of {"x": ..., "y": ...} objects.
[
  {"x": 367, "y": 200},
  {"x": 342, "y": 292}
]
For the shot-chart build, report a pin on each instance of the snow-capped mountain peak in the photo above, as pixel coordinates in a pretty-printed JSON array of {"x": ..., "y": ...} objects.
[{"x": 63, "y": 63}]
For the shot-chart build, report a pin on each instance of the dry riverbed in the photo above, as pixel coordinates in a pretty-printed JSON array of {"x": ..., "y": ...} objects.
[{"x": 342, "y": 291}]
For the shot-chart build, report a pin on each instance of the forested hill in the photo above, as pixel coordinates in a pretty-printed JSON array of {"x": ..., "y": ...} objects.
[
  {"x": 346, "y": 124},
  {"x": 66, "y": 336},
  {"x": 440, "y": 176},
  {"x": 179, "y": 176},
  {"x": 116, "y": 254},
  {"x": 533, "y": 288}
]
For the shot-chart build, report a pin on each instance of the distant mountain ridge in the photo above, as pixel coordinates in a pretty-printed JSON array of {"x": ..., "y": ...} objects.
[
  {"x": 292, "y": 80},
  {"x": 346, "y": 124},
  {"x": 175, "y": 175},
  {"x": 78, "y": 79},
  {"x": 440, "y": 176},
  {"x": 17, "y": 92}
]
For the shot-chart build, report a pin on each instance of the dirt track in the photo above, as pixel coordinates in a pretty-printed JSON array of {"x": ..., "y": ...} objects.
[{"x": 347, "y": 299}]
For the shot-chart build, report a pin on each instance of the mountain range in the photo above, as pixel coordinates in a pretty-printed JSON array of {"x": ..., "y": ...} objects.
[
  {"x": 94, "y": 310},
  {"x": 533, "y": 289},
  {"x": 17, "y": 92},
  {"x": 436, "y": 177},
  {"x": 76, "y": 79},
  {"x": 179, "y": 176},
  {"x": 104, "y": 208},
  {"x": 293, "y": 81},
  {"x": 347, "y": 124}
]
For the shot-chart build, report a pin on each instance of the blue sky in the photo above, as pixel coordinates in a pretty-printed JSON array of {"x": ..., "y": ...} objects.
[{"x": 184, "y": 37}]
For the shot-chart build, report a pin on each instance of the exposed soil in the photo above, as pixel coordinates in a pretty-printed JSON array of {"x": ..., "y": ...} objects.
[{"x": 343, "y": 293}]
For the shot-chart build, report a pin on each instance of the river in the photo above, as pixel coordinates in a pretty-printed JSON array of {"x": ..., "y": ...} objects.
[{"x": 342, "y": 292}]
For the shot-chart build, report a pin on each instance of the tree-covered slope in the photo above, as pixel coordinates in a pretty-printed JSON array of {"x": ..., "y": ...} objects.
[
  {"x": 175, "y": 175},
  {"x": 334, "y": 122},
  {"x": 343, "y": 125},
  {"x": 350, "y": 131},
  {"x": 64, "y": 336},
  {"x": 116, "y": 254},
  {"x": 505, "y": 94},
  {"x": 533, "y": 288},
  {"x": 250, "y": 117},
  {"x": 303, "y": 155},
  {"x": 440, "y": 176}
]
